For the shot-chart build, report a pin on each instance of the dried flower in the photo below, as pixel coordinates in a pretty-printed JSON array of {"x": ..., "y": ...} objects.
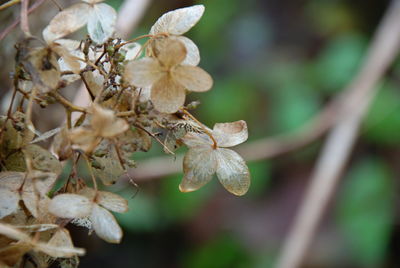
[{"x": 203, "y": 159}]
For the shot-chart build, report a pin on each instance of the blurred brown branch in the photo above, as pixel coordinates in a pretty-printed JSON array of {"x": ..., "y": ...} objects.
[{"x": 341, "y": 139}]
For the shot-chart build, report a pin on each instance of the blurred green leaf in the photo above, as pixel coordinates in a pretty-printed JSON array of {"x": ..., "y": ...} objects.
[
  {"x": 180, "y": 206},
  {"x": 339, "y": 61},
  {"x": 260, "y": 177},
  {"x": 365, "y": 211},
  {"x": 142, "y": 215},
  {"x": 382, "y": 124},
  {"x": 221, "y": 252}
]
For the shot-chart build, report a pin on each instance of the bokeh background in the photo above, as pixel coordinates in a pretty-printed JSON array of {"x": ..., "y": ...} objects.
[{"x": 275, "y": 64}]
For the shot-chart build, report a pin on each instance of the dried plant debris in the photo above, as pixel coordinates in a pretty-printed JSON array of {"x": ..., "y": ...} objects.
[{"x": 137, "y": 95}]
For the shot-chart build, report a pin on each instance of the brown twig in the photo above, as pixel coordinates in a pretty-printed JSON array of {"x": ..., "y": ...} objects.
[
  {"x": 340, "y": 141},
  {"x": 24, "y": 17}
]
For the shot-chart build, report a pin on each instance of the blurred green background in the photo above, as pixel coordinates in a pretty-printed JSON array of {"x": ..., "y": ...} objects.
[{"x": 275, "y": 64}]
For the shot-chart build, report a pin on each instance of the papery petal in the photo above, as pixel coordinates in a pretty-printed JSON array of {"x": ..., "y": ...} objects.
[
  {"x": 105, "y": 225},
  {"x": 70, "y": 206},
  {"x": 230, "y": 134},
  {"x": 192, "y": 51},
  {"x": 105, "y": 123},
  {"x": 67, "y": 21},
  {"x": 167, "y": 96},
  {"x": 72, "y": 62},
  {"x": 197, "y": 139},
  {"x": 60, "y": 246},
  {"x": 193, "y": 78},
  {"x": 30, "y": 197},
  {"x": 170, "y": 52},
  {"x": 8, "y": 202},
  {"x": 117, "y": 127},
  {"x": 11, "y": 180},
  {"x": 13, "y": 233},
  {"x": 92, "y": 1},
  {"x": 178, "y": 21},
  {"x": 112, "y": 201},
  {"x": 199, "y": 164},
  {"x": 143, "y": 72},
  {"x": 232, "y": 171},
  {"x": 82, "y": 138},
  {"x": 101, "y": 23}
]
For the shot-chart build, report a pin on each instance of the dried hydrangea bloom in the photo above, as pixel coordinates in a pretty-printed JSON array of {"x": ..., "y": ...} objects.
[
  {"x": 167, "y": 76},
  {"x": 103, "y": 124},
  {"x": 204, "y": 158},
  {"x": 93, "y": 205},
  {"x": 99, "y": 17},
  {"x": 59, "y": 245},
  {"x": 177, "y": 22}
]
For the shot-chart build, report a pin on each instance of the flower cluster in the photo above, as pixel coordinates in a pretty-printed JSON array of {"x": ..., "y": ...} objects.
[{"x": 137, "y": 91}]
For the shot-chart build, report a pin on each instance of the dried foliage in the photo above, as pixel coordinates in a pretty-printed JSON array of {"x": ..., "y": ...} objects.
[{"x": 136, "y": 92}]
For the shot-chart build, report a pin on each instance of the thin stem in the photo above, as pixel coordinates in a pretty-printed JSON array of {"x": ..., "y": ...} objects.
[
  {"x": 202, "y": 127},
  {"x": 155, "y": 137},
  {"x": 9, "y": 4},
  {"x": 133, "y": 40},
  {"x": 90, "y": 171},
  {"x": 66, "y": 103}
]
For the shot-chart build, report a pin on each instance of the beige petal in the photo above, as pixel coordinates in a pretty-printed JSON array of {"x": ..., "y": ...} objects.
[
  {"x": 101, "y": 23},
  {"x": 232, "y": 171},
  {"x": 192, "y": 51},
  {"x": 143, "y": 72},
  {"x": 170, "y": 52},
  {"x": 197, "y": 139},
  {"x": 60, "y": 245},
  {"x": 92, "y": 1},
  {"x": 71, "y": 61},
  {"x": 11, "y": 180},
  {"x": 47, "y": 69},
  {"x": 230, "y": 134},
  {"x": 82, "y": 139},
  {"x": 167, "y": 96},
  {"x": 8, "y": 202},
  {"x": 105, "y": 123},
  {"x": 199, "y": 164},
  {"x": 13, "y": 233},
  {"x": 178, "y": 21},
  {"x": 70, "y": 206},
  {"x": 193, "y": 78},
  {"x": 105, "y": 225},
  {"x": 30, "y": 197},
  {"x": 112, "y": 202},
  {"x": 67, "y": 21}
]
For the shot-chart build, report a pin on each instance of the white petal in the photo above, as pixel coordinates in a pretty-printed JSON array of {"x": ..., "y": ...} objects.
[
  {"x": 132, "y": 51},
  {"x": 67, "y": 21},
  {"x": 8, "y": 202},
  {"x": 112, "y": 201},
  {"x": 193, "y": 78},
  {"x": 101, "y": 23},
  {"x": 11, "y": 180},
  {"x": 230, "y": 134},
  {"x": 199, "y": 164},
  {"x": 192, "y": 51},
  {"x": 105, "y": 225},
  {"x": 70, "y": 206},
  {"x": 178, "y": 21},
  {"x": 143, "y": 72},
  {"x": 232, "y": 171}
]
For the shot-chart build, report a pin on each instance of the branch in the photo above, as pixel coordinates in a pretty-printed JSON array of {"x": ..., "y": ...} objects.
[{"x": 340, "y": 141}]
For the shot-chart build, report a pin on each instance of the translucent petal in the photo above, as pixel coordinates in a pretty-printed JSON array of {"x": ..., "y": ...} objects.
[
  {"x": 67, "y": 21},
  {"x": 199, "y": 164},
  {"x": 197, "y": 139},
  {"x": 170, "y": 52},
  {"x": 167, "y": 96},
  {"x": 132, "y": 51},
  {"x": 112, "y": 201},
  {"x": 143, "y": 72},
  {"x": 192, "y": 51},
  {"x": 105, "y": 123},
  {"x": 232, "y": 171},
  {"x": 230, "y": 134},
  {"x": 101, "y": 23},
  {"x": 193, "y": 78},
  {"x": 8, "y": 202},
  {"x": 71, "y": 61},
  {"x": 70, "y": 206},
  {"x": 178, "y": 21},
  {"x": 30, "y": 197},
  {"x": 105, "y": 225}
]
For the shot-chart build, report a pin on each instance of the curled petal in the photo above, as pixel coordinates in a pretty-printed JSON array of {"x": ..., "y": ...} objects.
[
  {"x": 232, "y": 171},
  {"x": 178, "y": 21},
  {"x": 230, "y": 134},
  {"x": 167, "y": 95},
  {"x": 105, "y": 225},
  {"x": 143, "y": 72},
  {"x": 67, "y": 21},
  {"x": 70, "y": 206},
  {"x": 193, "y": 78},
  {"x": 101, "y": 23},
  {"x": 199, "y": 164},
  {"x": 192, "y": 51}
]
